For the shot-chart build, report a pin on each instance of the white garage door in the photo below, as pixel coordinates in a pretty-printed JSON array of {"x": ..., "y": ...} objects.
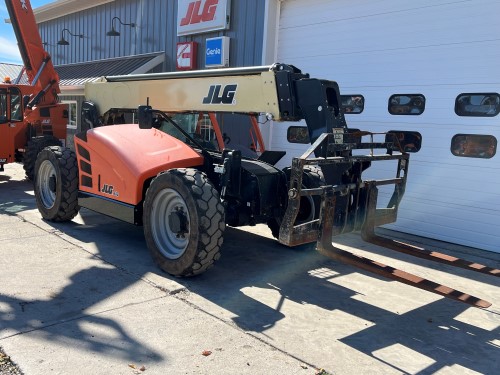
[{"x": 437, "y": 48}]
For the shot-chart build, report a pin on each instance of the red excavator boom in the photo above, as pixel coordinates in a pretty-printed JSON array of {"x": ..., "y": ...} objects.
[{"x": 37, "y": 62}]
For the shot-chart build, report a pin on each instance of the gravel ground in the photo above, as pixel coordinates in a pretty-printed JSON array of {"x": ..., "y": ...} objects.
[{"x": 7, "y": 367}]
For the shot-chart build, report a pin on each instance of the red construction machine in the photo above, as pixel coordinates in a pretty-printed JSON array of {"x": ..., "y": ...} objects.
[{"x": 31, "y": 117}]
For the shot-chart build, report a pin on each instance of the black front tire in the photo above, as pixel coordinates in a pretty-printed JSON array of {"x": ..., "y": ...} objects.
[
  {"x": 183, "y": 222},
  {"x": 33, "y": 148},
  {"x": 56, "y": 184}
]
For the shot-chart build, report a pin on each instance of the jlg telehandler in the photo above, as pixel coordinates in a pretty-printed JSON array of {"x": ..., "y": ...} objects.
[
  {"x": 184, "y": 181},
  {"x": 31, "y": 117}
]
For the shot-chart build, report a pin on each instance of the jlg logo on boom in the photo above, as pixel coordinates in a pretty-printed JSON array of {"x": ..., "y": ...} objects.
[
  {"x": 193, "y": 15},
  {"x": 214, "y": 94}
]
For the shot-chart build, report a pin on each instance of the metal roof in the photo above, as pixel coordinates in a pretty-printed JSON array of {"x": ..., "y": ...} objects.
[
  {"x": 12, "y": 71},
  {"x": 80, "y": 73},
  {"x": 75, "y": 75}
]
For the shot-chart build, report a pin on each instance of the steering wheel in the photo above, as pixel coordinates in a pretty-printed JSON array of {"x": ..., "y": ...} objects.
[{"x": 226, "y": 139}]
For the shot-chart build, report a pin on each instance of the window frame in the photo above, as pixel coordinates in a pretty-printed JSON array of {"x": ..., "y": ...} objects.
[
  {"x": 4, "y": 107},
  {"x": 463, "y": 114},
  {"x": 352, "y": 96},
  {"x": 69, "y": 103},
  {"x": 303, "y": 129},
  {"x": 453, "y": 149},
  {"x": 14, "y": 91},
  {"x": 389, "y": 105}
]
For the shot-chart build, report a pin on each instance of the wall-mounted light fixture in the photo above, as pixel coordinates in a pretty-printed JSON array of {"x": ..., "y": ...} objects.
[
  {"x": 64, "y": 42},
  {"x": 113, "y": 31}
]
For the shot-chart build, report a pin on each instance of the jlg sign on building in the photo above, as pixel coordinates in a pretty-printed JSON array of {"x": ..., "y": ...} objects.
[{"x": 200, "y": 16}]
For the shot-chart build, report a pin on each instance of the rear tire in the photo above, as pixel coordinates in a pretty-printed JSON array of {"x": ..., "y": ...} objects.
[
  {"x": 56, "y": 184},
  {"x": 309, "y": 206},
  {"x": 33, "y": 148},
  {"x": 183, "y": 222}
]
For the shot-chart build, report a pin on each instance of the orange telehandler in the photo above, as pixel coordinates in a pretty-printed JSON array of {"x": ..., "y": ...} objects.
[
  {"x": 184, "y": 182},
  {"x": 31, "y": 118}
]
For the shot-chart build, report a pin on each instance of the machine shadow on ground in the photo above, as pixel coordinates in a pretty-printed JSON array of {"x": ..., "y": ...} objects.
[
  {"x": 252, "y": 261},
  {"x": 301, "y": 275},
  {"x": 63, "y": 315}
]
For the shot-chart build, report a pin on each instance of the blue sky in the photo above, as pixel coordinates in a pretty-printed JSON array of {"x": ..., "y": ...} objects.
[{"x": 9, "y": 52}]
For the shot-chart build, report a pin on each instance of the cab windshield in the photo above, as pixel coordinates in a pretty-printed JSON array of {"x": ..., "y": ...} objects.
[{"x": 199, "y": 127}]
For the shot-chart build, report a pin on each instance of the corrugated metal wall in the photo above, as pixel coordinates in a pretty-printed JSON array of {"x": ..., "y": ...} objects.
[{"x": 156, "y": 31}]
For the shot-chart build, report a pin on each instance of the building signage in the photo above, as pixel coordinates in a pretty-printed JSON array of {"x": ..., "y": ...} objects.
[
  {"x": 186, "y": 55},
  {"x": 217, "y": 52},
  {"x": 201, "y": 16}
]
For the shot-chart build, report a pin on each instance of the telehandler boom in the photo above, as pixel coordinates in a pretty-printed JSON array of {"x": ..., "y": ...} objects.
[
  {"x": 31, "y": 116},
  {"x": 184, "y": 183}
]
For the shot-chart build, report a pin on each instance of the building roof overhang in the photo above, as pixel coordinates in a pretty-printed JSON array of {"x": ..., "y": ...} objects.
[{"x": 61, "y": 8}]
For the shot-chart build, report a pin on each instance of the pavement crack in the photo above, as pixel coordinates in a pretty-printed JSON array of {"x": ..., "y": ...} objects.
[
  {"x": 180, "y": 296},
  {"x": 79, "y": 317},
  {"x": 176, "y": 291}
]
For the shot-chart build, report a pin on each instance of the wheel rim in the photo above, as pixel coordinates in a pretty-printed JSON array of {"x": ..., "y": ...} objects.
[
  {"x": 170, "y": 223},
  {"x": 47, "y": 179}
]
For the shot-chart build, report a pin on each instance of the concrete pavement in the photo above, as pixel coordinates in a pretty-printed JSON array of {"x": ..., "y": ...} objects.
[{"x": 85, "y": 297}]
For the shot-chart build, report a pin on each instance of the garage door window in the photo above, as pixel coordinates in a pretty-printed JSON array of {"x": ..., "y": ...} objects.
[
  {"x": 352, "y": 104},
  {"x": 479, "y": 105},
  {"x": 474, "y": 146},
  {"x": 406, "y": 104},
  {"x": 297, "y": 134}
]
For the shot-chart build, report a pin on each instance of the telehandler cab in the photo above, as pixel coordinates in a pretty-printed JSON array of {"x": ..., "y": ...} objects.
[
  {"x": 184, "y": 186},
  {"x": 31, "y": 117}
]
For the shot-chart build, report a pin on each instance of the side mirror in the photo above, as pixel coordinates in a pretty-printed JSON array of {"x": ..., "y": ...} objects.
[
  {"x": 89, "y": 116},
  {"x": 145, "y": 116},
  {"x": 404, "y": 140}
]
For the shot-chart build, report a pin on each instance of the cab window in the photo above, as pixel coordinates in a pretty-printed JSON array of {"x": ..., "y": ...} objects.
[
  {"x": 3, "y": 106},
  {"x": 16, "y": 107},
  {"x": 198, "y": 125}
]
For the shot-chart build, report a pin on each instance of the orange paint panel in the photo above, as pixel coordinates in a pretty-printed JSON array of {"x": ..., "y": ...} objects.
[{"x": 123, "y": 157}]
